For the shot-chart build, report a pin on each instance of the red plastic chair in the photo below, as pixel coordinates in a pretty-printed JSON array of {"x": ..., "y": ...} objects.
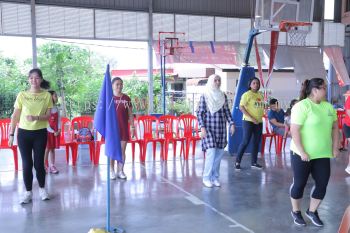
[
  {"x": 268, "y": 134},
  {"x": 77, "y": 124},
  {"x": 5, "y": 129},
  {"x": 149, "y": 135},
  {"x": 66, "y": 138},
  {"x": 281, "y": 143},
  {"x": 341, "y": 115},
  {"x": 189, "y": 123},
  {"x": 170, "y": 135},
  {"x": 98, "y": 143},
  {"x": 135, "y": 140}
]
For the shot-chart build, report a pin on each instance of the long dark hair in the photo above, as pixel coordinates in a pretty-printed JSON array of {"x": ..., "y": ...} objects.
[
  {"x": 291, "y": 104},
  {"x": 44, "y": 84},
  {"x": 250, "y": 82},
  {"x": 308, "y": 85}
]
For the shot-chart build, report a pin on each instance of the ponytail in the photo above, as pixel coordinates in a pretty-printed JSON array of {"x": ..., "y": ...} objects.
[
  {"x": 308, "y": 85},
  {"x": 304, "y": 90},
  {"x": 45, "y": 84}
]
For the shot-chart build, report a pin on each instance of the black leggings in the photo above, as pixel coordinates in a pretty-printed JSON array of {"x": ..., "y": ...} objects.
[
  {"x": 320, "y": 170},
  {"x": 32, "y": 142},
  {"x": 250, "y": 130}
]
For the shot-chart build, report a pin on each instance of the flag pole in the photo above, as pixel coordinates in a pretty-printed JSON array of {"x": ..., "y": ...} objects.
[
  {"x": 108, "y": 226},
  {"x": 105, "y": 122},
  {"x": 116, "y": 229}
]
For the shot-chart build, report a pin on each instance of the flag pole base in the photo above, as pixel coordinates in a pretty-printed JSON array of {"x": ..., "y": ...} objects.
[{"x": 117, "y": 229}]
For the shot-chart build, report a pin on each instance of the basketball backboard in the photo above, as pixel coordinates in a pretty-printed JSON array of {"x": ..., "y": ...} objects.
[
  {"x": 269, "y": 13},
  {"x": 168, "y": 42}
]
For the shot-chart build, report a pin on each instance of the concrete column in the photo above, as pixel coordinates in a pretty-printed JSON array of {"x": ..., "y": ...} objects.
[
  {"x": 33, "y": 19},
  {"x": 150, "y": 56}
]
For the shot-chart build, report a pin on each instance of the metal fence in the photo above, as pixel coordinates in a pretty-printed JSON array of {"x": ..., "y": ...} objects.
[{"x": 177, "y": 103}]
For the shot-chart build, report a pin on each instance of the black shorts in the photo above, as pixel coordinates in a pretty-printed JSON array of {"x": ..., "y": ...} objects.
[{"x": 346, "y": 130}]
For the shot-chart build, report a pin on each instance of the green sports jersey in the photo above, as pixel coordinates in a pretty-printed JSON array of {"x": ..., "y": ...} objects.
[{"x": 316, "y": 121}]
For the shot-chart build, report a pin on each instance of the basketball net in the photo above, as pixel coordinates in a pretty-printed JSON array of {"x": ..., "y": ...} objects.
[{"x": 297, "y": 32}]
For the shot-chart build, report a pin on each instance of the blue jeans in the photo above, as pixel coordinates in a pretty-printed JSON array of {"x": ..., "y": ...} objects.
[
  {"x": 250, "y": 130},
  {"x": 212, "y": 164}
]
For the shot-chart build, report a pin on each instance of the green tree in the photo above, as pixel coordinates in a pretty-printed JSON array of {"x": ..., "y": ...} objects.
[
  {"x": 12, "y": 80},
  {"x": 74, "y": 72},
  {"x": 138, "y": 92}
]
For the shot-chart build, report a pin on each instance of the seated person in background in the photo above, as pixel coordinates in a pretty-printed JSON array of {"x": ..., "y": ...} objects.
[
  {"x": 276, "y": 117},
  {"x": 287, "y": 117},
  {"x": 336, "y": 103}
]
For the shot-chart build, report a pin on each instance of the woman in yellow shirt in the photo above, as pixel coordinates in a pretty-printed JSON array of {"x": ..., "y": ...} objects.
[
  {"x": 252, "y": 107},
  {"x": 31, "y": 113}
]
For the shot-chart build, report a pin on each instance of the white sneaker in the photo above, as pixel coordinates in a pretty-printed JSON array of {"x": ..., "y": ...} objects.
[
  {"x": 216, "y": 183},
  {"x": 112, "y": 175},
  {"x": 43, "y": 194},
  {"x": 27, "y": 198},
  {"x": 121, "y": 175},
  {"x": 348, "y": 169},
  {"x": 207, "y": 183}
]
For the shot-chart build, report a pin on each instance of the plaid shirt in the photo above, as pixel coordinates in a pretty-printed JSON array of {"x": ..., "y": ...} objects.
[{"x": 215, "y": 124}]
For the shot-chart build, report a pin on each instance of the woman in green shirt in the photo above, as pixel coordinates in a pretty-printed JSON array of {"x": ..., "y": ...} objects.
[{"x": 315, "y": 137}]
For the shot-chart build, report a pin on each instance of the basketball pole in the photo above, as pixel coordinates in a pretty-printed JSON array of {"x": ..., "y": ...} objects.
[
  {"x": 162, "y": 74},
  {"x": 245, "y": 74}
]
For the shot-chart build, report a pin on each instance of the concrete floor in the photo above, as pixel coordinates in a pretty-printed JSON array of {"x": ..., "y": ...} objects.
[{"x": 167, "y": 197}]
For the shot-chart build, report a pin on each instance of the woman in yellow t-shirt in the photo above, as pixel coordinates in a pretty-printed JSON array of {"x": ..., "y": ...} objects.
[
  {"x": 31, "y": 113},
  {"x": 315, "y": 138},
  {"x": 252, "y": 106}
]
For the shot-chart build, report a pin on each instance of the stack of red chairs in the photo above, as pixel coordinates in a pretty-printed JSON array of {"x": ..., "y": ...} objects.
[
  {"x": 189, "y": 123},
  {"x": 171, "y": 134},
  {"x": 5, "y": 130}
]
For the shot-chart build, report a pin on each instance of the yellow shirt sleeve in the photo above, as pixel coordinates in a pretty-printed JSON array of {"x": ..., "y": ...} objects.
[
  {"x": 18, "y": 102},
  {"x": 244, "y": 99}
]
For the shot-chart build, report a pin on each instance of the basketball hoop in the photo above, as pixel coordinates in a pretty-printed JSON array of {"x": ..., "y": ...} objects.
[
  {"x": 297, "y": 32},
  {"x": 169, "y": 42}
]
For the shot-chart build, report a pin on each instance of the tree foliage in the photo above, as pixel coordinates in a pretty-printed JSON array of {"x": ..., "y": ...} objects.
[
  {"x": 138, "y": 92},
  {"x": 12, "y": 80},
  {"x": 75, "y": 72}
]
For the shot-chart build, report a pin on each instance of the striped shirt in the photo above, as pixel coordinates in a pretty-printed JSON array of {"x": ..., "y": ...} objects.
[{"x": 215, "y": 124}]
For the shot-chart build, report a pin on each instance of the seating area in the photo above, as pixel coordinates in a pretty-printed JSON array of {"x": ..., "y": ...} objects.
[
  {"x": 83, "y": 186},
  {"x": 164, "y": 131}
]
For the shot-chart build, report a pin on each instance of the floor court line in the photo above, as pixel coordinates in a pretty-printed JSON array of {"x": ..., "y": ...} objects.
[{"x": 190, "y": 197}]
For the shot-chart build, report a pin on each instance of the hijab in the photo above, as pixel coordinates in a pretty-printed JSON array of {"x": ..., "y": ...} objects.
[{"x": 214, "y": 97}]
